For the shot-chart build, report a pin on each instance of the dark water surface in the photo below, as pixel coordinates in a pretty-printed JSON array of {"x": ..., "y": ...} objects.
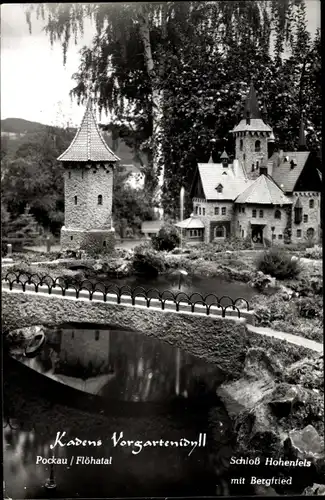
[{"x": 91, "y": 382}]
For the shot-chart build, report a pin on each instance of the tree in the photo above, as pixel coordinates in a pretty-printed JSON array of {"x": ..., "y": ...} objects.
[{"x": 126, "y": 64}]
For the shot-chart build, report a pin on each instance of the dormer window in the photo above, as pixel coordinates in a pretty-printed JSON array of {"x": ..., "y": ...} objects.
[
  {"x": 293, "y": 163},
  {"x": 286, "y": 158},
  {"x": 219, "y": 188}
]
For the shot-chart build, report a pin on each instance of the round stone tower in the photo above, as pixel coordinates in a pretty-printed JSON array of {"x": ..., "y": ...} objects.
[
  {"x": 88, "y": 188},
  {"x": 252, "y": 135}
]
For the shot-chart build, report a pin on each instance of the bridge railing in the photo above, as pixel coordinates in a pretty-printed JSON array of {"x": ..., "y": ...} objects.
[{"x": 137, "y": 296}]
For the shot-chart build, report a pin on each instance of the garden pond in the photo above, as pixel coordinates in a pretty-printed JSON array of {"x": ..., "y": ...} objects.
[{"x": 91, "y": 382}]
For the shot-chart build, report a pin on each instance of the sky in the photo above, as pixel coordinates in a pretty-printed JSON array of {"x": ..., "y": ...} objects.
[{"x": 34, "y": 83}]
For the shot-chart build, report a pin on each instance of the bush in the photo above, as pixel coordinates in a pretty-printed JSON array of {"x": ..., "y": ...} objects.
[
  {"x": 315, "y": 252},
  {"x": 167, "y": 238},
  {"x": 147, "y": 261},
  {"x": 279, "y": 264},
  {"x": 308, "y": 307}
]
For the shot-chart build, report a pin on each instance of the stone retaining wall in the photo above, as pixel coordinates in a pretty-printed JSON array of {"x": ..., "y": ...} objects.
[{"x": 219, "y": 340}]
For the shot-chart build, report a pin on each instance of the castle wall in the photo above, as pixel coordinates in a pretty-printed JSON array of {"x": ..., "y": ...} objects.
[
  {"x": 248, "y": 156},
  {"x": 245, "y": 219},
  {"x": 210, "y": 219},
  {"x": 299, "y": 231},
  {"x": 86, "y": 185}
]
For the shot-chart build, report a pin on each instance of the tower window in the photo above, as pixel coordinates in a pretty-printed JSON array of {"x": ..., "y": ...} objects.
[
  {"x": 100, "y": 199},
  {"x": 71, "y": 238},
  {"x": 196, "y": 210},
  {"x": 305, "y": 218},
  {"x": 244, "y": 157},
  {"x": 254, "y": 213},
  {"x": 253, "y": 167},
  {"x": 203, "y": 211},
  {"x": 257, "y": 146},
  {"x": 69, "y": 175},
  {"x": 104, "y": 243},
  {"x": 257, "y": 164},
  {"x": 82, "y": 174},
  {"x": 223, "y": 211},
  {"x": 216, "y": 210},
  {"x": 241, "y": 144},
  {"x": 277, "y": 214},
  {"x": 199, "y": 210},
  {"x": 76, "y": 200},
  {"x": 298, "y": 233},
  {"x": 311, "y": 203},
  {"x": 261, "y": 214},
  {"x": 96, "y": 335}
]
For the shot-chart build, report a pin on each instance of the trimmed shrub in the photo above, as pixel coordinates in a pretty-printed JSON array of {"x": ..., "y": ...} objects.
[
  {"x": 167, "y": 238},
  {"x": 147, "y": 261},
  {"x": 315, "y": 252},
  {"x": 309, "y": 307},
  {"x": 278, "y": 263}
]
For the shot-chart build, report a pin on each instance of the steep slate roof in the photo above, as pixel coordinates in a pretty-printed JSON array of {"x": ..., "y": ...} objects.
[
  {"x": 213, "y": 174},
  {"x": 255, "y": 125},
  {"x": 191, "y": 223},
  {"x": 286, "y": 176},
  {"x": 263, "y": 191},
  {"x": 88, "y": 144}
]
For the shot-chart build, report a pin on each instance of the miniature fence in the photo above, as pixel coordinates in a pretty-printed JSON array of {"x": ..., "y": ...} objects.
[{"x": 125, "y": 295}]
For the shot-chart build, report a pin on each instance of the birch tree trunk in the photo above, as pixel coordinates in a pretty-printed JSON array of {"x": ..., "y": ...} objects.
[{"x": 157, "y": 101}]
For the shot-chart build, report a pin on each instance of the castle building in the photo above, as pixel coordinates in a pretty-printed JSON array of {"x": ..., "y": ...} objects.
[
  {"x": 88, "y": 187},
  {"x": 264, "y": 199}
]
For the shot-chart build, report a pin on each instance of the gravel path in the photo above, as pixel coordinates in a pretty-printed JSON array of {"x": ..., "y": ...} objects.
[{"x": 293, "y": 339}]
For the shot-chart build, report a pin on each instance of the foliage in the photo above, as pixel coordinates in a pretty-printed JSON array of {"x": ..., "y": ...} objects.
[
  {"x": 98, "y": 243},
  {"x": 130, "y": 207},
  {"x": 167, "y": 238},
  {"x": 31, "y": 175},
  {"x": 168, "y": 96},
  {"x": 308, "y": 287},
  {"x": 315, "y": 252},
  {"x": 147, "y": 261},
  {"x": 283, "y": 315},
  {"x": 278, "y": 264}
]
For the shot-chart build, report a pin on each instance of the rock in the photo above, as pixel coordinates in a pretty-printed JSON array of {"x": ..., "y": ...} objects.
[
  {"x": 315, "y": 489},
  {"x": 308, "y": 372},
  {"x": 260, "y": 364},
  {"x": 305, "y": 444},
  {"x": 285, "y": 397}
]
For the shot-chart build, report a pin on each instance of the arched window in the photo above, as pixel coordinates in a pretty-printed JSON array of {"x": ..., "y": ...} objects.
[
  {"x": 310, "y": 233},
  {"x": 76, "y": 200},
  {"x": 241, "y": 144},
  {"x": 219, "y": 232},
  {"x": 100, "y": 199},
  {"x": 257, "y": 146},
  {"x": 311, "y": 203},
  {"x": 96, "y": 335},
  {"x": 69, "y": 175},
  {"x": 277, "y": 214}
]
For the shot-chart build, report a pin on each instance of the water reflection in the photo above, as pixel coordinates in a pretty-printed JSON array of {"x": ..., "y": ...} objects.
[{"x": 114, "y": 367}]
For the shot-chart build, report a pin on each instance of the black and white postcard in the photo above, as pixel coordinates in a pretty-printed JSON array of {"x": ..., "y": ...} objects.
[{"x": 162, "y": 215}]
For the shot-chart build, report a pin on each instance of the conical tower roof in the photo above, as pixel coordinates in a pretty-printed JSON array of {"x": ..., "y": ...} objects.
[
  {"x": 252, "y": 120},
  {"x": 251, "y": 108},
  {"x": 88, "y": 143},
  {"x": 302, "y": 138},
  {"x": 224, "y": 155}
]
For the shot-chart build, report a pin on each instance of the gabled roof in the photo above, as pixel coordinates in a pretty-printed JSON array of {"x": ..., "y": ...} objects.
[
  {"x": 212, "y": 174},
  {"x": 285, "y": 176},
  {"x": 88, "y": 143},
  {"x": 263, "y": 191},
  {"x": 191, "y": 223}
]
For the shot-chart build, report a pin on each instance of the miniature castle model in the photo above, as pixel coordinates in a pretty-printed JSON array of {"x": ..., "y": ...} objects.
[
  {"x": 276, "y": 199},
  {"x": 88, "y": 187}
]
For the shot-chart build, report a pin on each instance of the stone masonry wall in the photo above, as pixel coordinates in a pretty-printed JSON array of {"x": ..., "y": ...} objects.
[
  {"x": 87, "y": 184},
  {"x": 249, "y": 151},
  {"x": 246, "y": 218},
  {"x": 312, "y": 213},
  {"x": 73, "y": 239},
  {"x": 218, "y": 340},
  {"x": 211, "y": 217}
]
